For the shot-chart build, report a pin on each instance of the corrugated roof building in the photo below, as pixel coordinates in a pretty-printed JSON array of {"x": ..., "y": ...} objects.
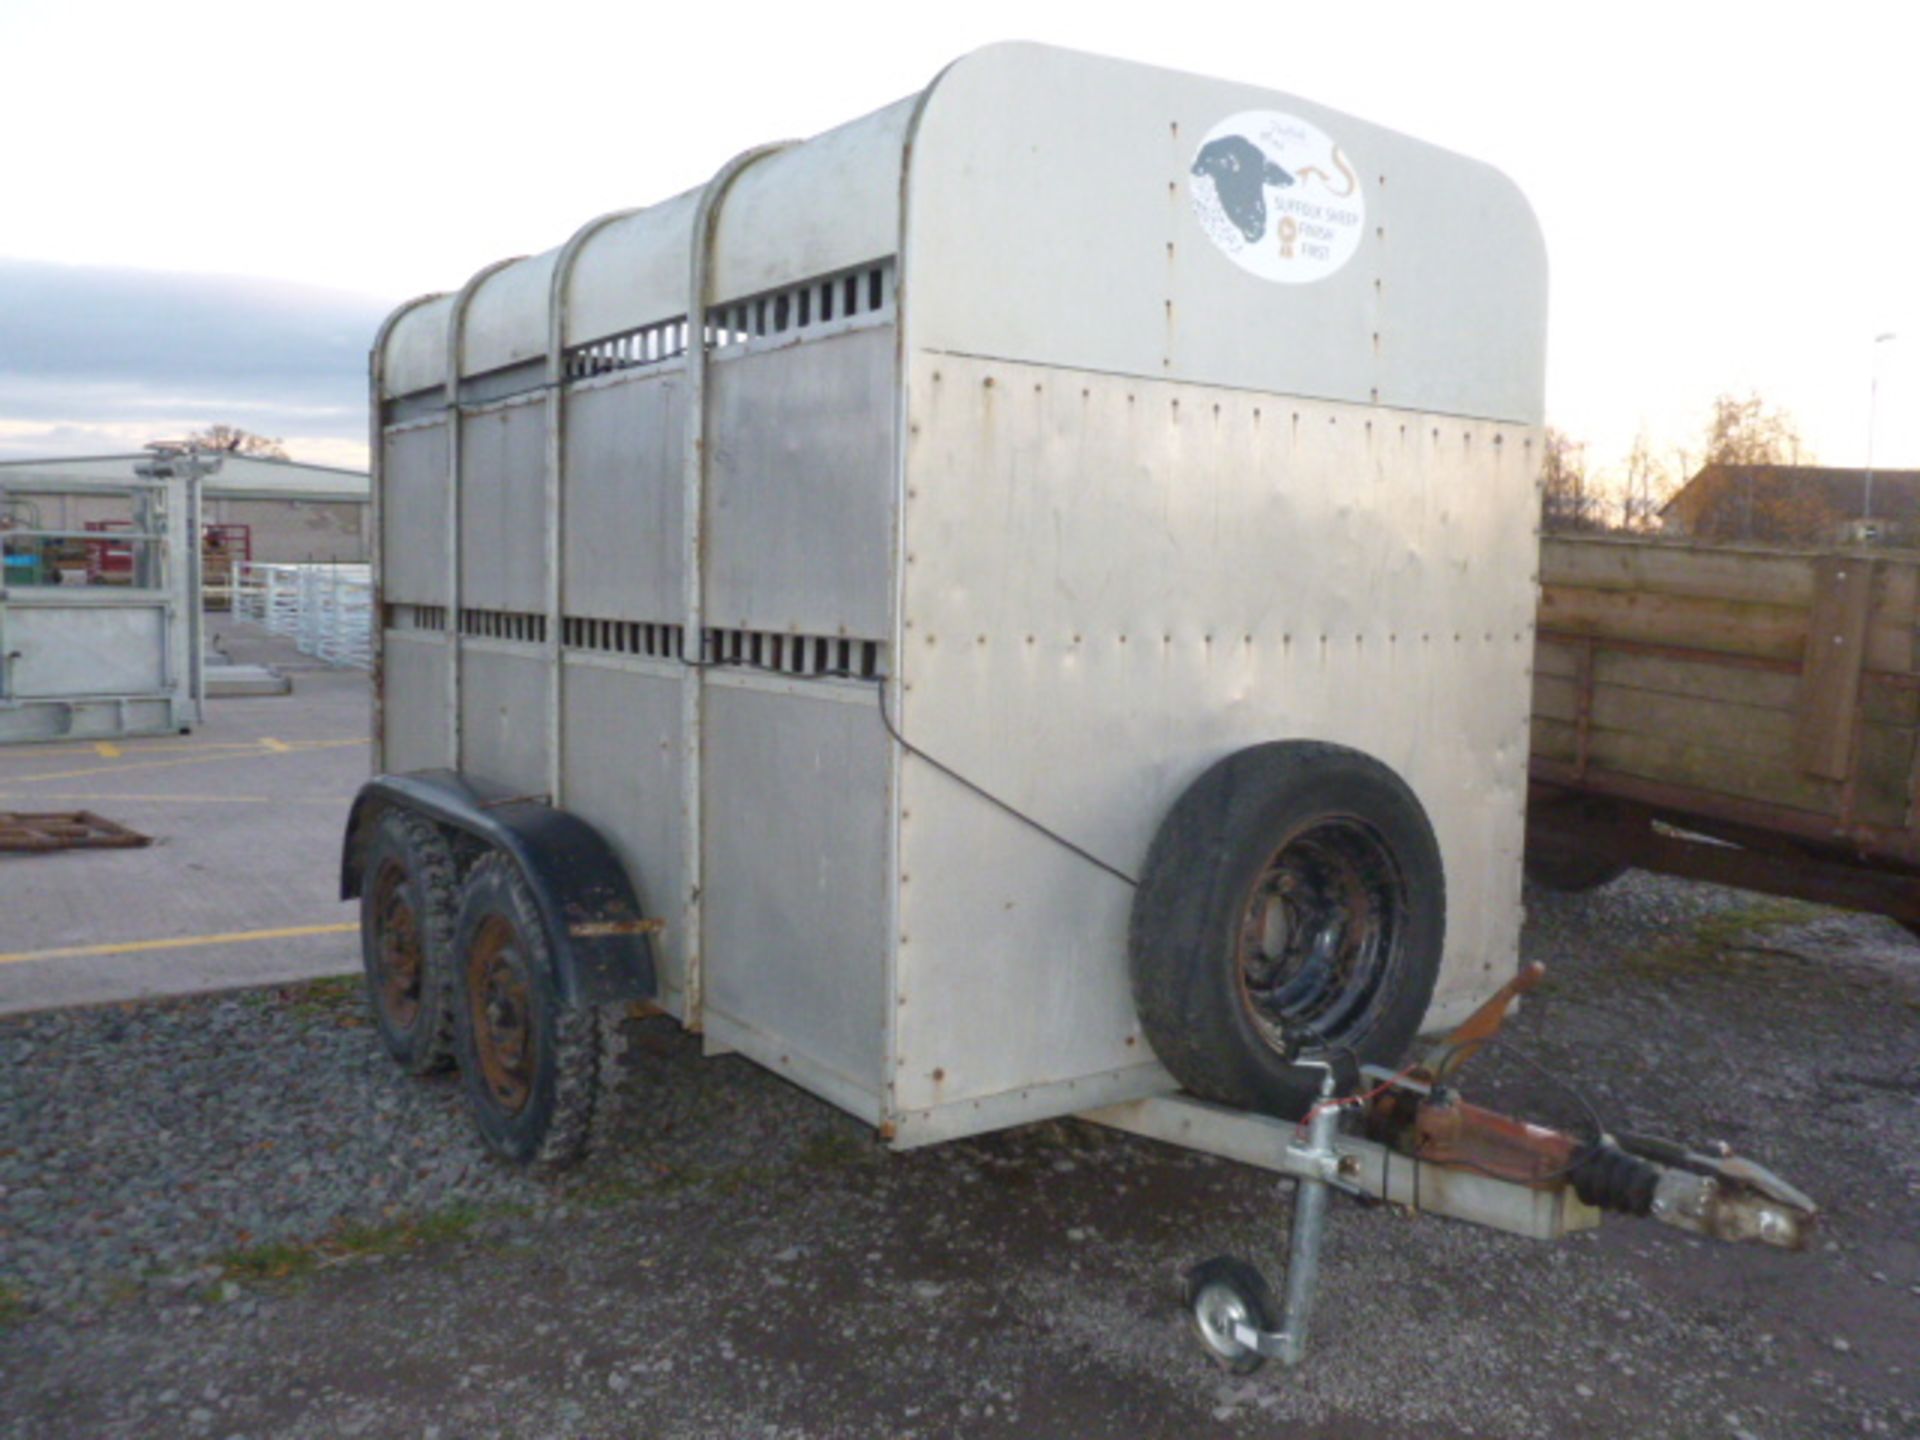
[
  {"x": 1793, "y": 504},
  {"x": 292, "y": 511}
]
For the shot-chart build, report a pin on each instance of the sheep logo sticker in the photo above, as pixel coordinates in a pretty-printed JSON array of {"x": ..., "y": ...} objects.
[{"x": 1275, "y": 194}]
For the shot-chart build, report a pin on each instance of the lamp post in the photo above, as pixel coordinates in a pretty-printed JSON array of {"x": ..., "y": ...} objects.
[{"x": 1873, "y": 407}]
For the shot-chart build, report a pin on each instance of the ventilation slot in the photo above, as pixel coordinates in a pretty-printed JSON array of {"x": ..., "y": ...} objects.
[
  {"x": 841, "y": 301},
  {"x": 648, "y": 345},
  {"x": 803, "y": 656},
  {"x": 401, "y": 616},
  {"x": 522, "y": 625},
  {"x": 622, "y": 637}
]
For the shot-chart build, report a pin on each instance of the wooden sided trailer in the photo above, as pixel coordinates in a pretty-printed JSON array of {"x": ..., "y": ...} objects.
[{"x": 1728, "y": 713}]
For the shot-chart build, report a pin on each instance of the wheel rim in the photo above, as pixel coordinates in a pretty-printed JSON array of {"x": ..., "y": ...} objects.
[
  {"x": 499, "y": 1004},
  {"x": 1217, "y": 1309},
  {"x": 397, "y": 948},
  {"x": 1320, "y": 931}
]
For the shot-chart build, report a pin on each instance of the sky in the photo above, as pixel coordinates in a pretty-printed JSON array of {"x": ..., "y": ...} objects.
[{"x": 206, "y": 207}]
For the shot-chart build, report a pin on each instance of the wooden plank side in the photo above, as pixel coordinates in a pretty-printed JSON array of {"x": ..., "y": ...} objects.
[
  {"x": 1556, "y": 657},
  {"x": 1699, "y": 679},
  {"x": 1675, "y": 760},
  {"x": 1830, "y": 673},
  {"x": 1765, "y": 737},
  {"x": 1773, "y": 632},
  {"x": 1556, "y": 697},
  {"x": 1882, "y": 787},
  {"x": 1892, "y": 616},
  {"x": 1657, "y": 567}
]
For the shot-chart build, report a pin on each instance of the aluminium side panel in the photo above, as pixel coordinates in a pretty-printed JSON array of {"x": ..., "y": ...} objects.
[
  {"x": 796, "y": 770},
  {"x": 800, "y": 486},
  {"x": 620, "y": 545},
  {"x": 503, "y": 508},
  {"x": 796, "y": 851},
  {"x": 412, "y": 714},
  {"x": 620, "y": 717},
  {"x": 620, "y": 740}
]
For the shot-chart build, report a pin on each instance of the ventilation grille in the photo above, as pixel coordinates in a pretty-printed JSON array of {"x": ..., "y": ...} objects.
[
  {"x": 648, "y": 345},
  {"x": 623, "y": 637},
  {"x": 846, "y": 298},
  {"x": 504, "y": 625},
  {"x": 833, "y": 301},
  {"x": 416, "y": 617},
  {"x": 803, "y": 655}
]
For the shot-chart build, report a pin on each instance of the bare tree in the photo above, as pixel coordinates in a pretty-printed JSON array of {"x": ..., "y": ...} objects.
[
  {"x": 1749, "y": 498},
  {"x": 232, "y": 440},
  {"x": 1649, "y": 485},
  {"x": 1746, "y": 430},
  {"x": 1569, "y": 498}
]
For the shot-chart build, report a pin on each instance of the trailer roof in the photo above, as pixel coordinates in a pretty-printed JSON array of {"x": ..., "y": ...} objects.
[{"x": 1067, "y": 209}]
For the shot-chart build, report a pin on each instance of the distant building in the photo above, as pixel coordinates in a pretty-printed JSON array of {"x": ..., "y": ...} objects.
[
  {"x": 292, "y": 512},
  {"x": 1796, "y": 504}
]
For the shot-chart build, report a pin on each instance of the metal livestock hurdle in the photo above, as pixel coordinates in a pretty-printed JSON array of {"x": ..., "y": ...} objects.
[{"x": 325, "y": 610}]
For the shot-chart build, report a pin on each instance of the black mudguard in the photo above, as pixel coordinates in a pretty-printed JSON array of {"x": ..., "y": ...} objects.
[{"x": 602, "y": 942}]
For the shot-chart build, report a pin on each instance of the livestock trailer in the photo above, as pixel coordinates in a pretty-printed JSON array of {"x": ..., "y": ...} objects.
[{"x": 1019, "y": 605}]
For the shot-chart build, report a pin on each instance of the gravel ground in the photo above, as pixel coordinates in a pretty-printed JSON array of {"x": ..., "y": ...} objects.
[{"x": 231, "y": 1217}]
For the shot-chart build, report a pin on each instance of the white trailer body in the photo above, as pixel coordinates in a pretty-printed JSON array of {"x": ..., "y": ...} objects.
[{"x": 1018, "y": 410}]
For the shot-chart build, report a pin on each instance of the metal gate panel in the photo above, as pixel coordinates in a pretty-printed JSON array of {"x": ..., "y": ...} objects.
[
  {"x": 413, "y": 515},
  {"x": 503, "y": 453},
  {"x": 99, "y": 646},
  {"x": 503, "y": 714},
  {"x": 800, "y": 492},
  {"x": 621, "y": 541},
  {"x": 796, "y": 859},
  {"x": 622, "y": 775}
]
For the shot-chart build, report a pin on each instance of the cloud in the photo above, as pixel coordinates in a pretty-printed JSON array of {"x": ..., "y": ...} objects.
[{"x": 98, "y": 359}]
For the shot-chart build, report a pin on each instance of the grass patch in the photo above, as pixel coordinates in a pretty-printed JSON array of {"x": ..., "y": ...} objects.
[
  {"x": 333, "y": 1000},
  {"x": 832, "y": 1150},
  {"x": 1714, "y": 943},
  {"x": 294, "y": 1259},
  {"x": 13, "y": 1305}
]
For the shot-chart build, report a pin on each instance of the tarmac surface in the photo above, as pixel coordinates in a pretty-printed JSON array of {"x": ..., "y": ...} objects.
[{"x": 245, "y": 815}]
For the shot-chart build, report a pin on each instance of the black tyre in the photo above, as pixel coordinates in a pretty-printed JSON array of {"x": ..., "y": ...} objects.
[
  {"x": 1294, "y": 891},
  {"x": 538, "y": 1071},
  {"x": 1224, "y": 1292},
  {"x": 1555, "y": 865},
  {"x": 408, "y": 892}
]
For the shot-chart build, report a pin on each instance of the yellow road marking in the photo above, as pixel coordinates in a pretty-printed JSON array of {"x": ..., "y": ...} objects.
[
  {"x": 162, "y": 747},
  {"x": 304, "y": 747},
  {"x": 279, "y": 747},
  {"x": 91, "y": 795},
  {"x": 181, "y": 942},
  {"x": 107, "y": 748}
]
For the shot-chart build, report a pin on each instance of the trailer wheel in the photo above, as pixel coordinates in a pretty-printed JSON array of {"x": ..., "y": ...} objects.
[
  {"x": 407, "y": 901},
  {"x": 536, "y": 1068},
  {"x": 1293, "y": 903},
  {"x": 1224, "y": 1292}
]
